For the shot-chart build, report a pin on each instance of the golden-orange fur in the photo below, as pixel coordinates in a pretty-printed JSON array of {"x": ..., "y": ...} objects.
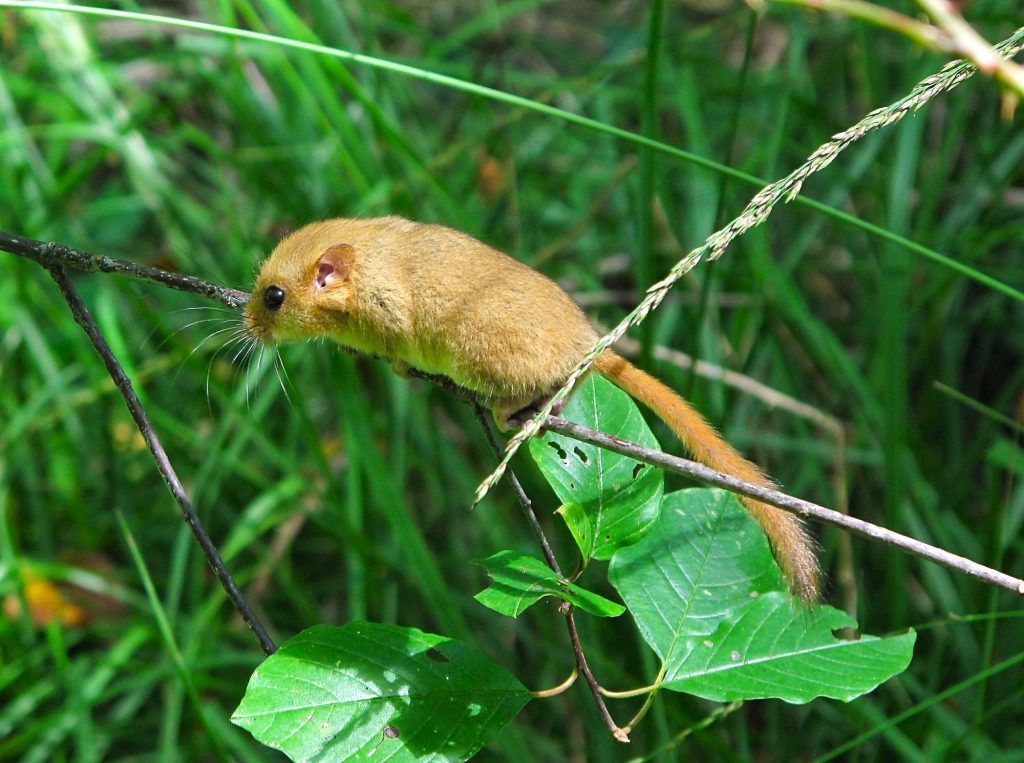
[{"x": 434, "y": 299}]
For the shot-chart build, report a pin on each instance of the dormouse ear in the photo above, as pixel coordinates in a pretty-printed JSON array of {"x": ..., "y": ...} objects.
[{"x": 334, "y": 265}]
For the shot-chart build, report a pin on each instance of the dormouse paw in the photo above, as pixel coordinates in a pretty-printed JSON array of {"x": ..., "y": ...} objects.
[
  {"x": 512, "y": 414},
  {"x": 401, "y": 368},
  {"x": 517, "y": 419}
]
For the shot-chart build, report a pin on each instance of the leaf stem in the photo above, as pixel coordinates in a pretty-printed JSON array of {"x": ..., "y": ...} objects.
[
  {"x": 648, "y": 701},
  {"x": 554, "y": 691},
  {"x": 630, "y": 693},
  {"x": 83, "y": 318}
]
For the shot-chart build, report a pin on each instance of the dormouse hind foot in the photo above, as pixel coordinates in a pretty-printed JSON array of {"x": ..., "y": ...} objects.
[{"x": 512, "y": 414}]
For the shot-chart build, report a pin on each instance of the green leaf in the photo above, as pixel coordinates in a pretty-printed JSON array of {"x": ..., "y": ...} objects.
[
  {"x": 521, "y": 581},
  {"x": 701, "y": 562},
  {"x": 778, "y": 648},
  {"x": 336, "y": 694},
  {"x": 610, "y": 501},
  {"x": 578, "y": 521},
  {"x": 710, "y": 600},
  {"x": 1007, "y": 454}
]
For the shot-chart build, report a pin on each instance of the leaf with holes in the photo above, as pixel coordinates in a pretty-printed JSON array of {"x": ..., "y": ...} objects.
[
  {"x": 618, "y": 497},
  {"x": 398, "y": 694},
  {"x": 521, "y": 581},
  {"x": 776, "y": 647}
]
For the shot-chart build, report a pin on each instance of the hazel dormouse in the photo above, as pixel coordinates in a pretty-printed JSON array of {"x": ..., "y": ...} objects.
[{"x": 437, "y": 300}]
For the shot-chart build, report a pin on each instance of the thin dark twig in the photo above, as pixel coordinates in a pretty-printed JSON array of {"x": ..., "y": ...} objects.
[
  {"x": 51, "y": 255},
  {"x": 570, "y": 620},
  {"x": 595, "y": 688},
  {"x": 531, "y": 517},
  {"x": 480, "y": 412},
  {"x": 55, "y": 256},
  {"x": 481, "y": 415},
  {"x": 786, "y": 502},
  {"x": 517, "y": 488},
  {"x": 85, "y": 320}
]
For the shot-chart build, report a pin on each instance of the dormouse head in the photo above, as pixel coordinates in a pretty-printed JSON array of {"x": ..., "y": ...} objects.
[{"x": 304, "y": 288}]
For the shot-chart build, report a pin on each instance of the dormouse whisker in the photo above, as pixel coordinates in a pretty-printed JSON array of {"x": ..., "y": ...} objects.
[{"x": 280, "y": 369}]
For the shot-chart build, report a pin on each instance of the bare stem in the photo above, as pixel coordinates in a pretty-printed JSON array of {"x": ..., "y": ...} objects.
[
  {"x": 965, "y": 41},
  {"x": 581, "y": 659},
  {"x": 52, "y": 255},
  {"x": 886, "y": 18},
  {"x": 595, "y": 688},
  {"x": 163, "y": 463},
  {"x": 745, "y": 384},
  {"x": 786, "y": 502},
  {"x": 517, "y": 488},
  {"x": 950, "y": 33}
]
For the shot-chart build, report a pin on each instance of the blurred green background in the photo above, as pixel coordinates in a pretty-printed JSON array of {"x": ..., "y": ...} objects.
[{"x": 348, "y": 498}]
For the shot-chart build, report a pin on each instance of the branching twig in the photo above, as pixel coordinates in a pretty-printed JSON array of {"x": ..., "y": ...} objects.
[
  {"x": 595, "y": 688},
  {"x": 570, "y": 620},
  {"x": 52, "y": 255},
  {"x": 787, "y": 502},
  {"x": 526, "y": 504},
  {"x": 755, "y": 213},
  {"x": 85, "y": 320},
  {"x": 524, "y": 500}
]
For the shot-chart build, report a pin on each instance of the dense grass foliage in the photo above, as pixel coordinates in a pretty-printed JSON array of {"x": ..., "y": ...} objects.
[{"x": 343, "y": 493}]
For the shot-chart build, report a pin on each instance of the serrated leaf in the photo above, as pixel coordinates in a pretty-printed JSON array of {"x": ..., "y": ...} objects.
[
  {"x": 778, "y": 648},
  {"x": 398, "y": 694},
  {"x": 520, "y": 581},
  {"x": 618, "y": 496},
  {"x": 701, "y": 562}
]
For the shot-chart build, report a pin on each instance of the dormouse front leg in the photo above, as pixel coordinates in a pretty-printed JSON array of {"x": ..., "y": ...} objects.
[{"x": 401, "y": 368}]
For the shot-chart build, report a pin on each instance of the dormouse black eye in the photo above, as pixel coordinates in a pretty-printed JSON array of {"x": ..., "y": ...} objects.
[{"x": 273, "y": 297}]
